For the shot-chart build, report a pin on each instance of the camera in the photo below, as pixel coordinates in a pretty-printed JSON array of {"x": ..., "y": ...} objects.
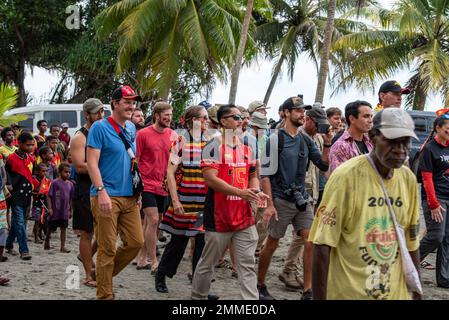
[
  {"x": 294, "y": 192},
  {"x": 323, "y": 128}
]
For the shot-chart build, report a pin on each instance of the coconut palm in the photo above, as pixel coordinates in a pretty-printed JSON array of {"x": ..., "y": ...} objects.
[
  {"x": 8, "y": 99},
  {"x": 413, "y": 34},
  {"x": 326, "y": 51},
  {"x": 157, "y": 36},
  {"x": 235, "y": 71}
]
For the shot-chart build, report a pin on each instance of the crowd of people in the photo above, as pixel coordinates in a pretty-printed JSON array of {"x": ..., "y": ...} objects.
[{"x": 232, "y": 182}]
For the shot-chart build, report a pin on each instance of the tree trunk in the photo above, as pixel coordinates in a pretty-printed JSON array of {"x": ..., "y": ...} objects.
[
  {"x": 419, "y": 100},
  {"x": 325, "y": 54},
  {"x": 235, "y": 71},
  {"x": 274, "y": 78},
  {"x": 20, "y": 83}
]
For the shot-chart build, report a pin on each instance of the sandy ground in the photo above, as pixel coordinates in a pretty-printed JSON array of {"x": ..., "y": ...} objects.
[{"x": 46, "y": 275}]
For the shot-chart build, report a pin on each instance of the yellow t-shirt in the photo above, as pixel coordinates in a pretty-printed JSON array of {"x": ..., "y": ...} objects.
[
  {"x": 6, "y": 151},
  {"x": 353, "y": 219}
]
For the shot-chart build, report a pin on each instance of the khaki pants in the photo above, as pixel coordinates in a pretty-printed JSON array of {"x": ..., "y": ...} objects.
[
  {"x": 244, "y": 243},
  {"x": 261, "y": 229},
  {"x": 125, "y": 221},
  {"x": 294, "y": 254}
]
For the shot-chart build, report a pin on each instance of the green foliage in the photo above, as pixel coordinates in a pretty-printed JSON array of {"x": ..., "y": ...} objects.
[
  {"x": 160, "y": 37},
  {"x": 413, "y": 33},
  {"x": 34, "y": 33},
  {"x": 8, "y": 97},
  {"x": 297, "y": 28}
]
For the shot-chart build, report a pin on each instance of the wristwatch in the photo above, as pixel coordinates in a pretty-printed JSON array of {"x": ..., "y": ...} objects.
[{"x": 100, "y": 188}]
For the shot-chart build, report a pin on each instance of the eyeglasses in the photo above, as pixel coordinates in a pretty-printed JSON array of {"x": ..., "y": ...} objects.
[{"x": 236, "y": 117}]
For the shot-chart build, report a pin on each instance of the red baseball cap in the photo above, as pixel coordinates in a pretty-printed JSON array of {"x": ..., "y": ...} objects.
[{"x": 125, "y": 92}]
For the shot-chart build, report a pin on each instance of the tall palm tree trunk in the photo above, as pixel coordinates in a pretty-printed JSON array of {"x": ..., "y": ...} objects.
[
  {"x": 274, "y": 78},
  {"x": 235, "y": 71},
  {"x": 419, "y": 100},
  {"x": 325, "y": 54}
]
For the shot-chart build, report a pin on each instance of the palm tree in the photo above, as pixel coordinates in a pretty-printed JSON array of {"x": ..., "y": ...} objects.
[
  {"x": 8, "y": 99},
  {"x": 326, "y": 51},
  {"x": 157, "y": 36},
  {"x": 415, "y": 33},
  {"x": 299, "y": 27},
  {"x": 235, "y": 71}
]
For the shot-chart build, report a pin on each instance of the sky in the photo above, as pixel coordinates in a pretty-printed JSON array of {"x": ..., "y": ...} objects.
[{"x": 253, "y": 83}]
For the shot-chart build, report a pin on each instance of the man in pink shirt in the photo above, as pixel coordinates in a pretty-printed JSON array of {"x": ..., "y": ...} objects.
[
  {"x": 354, "y": 141},
  {"x": 153, "y": 149}
]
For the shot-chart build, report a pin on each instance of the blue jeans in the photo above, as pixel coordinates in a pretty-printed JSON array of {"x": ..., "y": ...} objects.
[{"x": 18, "y": 229}]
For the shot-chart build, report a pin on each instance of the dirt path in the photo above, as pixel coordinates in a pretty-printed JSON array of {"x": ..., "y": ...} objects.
[{"x": 44, "y": 277}]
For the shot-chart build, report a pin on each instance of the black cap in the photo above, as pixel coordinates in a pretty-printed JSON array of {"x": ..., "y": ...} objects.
[
  {"x": 295, "y": 103},
  {"x": 318, "y": 114},
  {"x": 393, "y": 86}
]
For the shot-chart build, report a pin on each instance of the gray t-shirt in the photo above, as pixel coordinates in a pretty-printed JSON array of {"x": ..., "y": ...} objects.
[{"x": 293, "y": 158}]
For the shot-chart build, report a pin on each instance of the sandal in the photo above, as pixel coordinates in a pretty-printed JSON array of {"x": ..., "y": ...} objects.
[
  {"x": 146, "y": 267},
  {"x": 426, "y": 265},
  {"x": 154, "y": 269},
  {"x": 12, "y": 252},
  {"x": 3, "y": 259},
  {"x": 90, "y": 283},
  {"x": 3, "y": 281}
]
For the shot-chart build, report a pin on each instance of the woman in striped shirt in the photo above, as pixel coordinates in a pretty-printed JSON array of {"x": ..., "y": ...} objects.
[{"x": 183, "y": 218}]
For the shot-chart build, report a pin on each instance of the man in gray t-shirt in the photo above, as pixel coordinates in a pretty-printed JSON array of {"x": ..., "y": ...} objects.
[{"x": 289, "y": 202}]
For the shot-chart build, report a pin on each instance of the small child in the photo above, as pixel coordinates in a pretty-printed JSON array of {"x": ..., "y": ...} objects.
[
  {"x": 46, "y": 156},
  {"x": 41, "y": 187},
  {"x": 53, "y": 142},
  {"x": 59, "y": 204}
]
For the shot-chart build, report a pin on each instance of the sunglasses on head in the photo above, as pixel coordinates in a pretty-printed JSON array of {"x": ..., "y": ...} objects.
[
  {"x": 444, "y": 111},
  {"x": 236, "y": 117}
]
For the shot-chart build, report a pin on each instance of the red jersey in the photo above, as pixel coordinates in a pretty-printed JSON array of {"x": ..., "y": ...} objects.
[{"x": 235, "y": 165}]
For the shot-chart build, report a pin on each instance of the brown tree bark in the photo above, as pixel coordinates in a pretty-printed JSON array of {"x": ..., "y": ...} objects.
[
  {"x": 235, "y": 71},
  {"x": 274, "y": 78},
  {"x": 325, "y": 54}
]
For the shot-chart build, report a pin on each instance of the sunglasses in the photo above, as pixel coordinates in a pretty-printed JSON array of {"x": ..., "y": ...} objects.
[{"x": 236, "y": 117}]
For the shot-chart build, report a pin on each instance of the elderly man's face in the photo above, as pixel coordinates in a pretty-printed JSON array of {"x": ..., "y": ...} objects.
[{"x": 391, "y": 153}]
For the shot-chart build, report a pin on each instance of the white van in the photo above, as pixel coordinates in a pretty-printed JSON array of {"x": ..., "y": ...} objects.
[{"x": 54, "y": 114}]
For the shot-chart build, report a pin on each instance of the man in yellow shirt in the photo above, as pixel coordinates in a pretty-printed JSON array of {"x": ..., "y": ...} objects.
[
  {"x": 8, "y": 136},
  {"x": 356, "y": 251}
]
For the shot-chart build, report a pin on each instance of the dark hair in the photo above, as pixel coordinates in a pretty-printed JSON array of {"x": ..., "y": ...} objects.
[
  {"x": 50, "y": 137},
  {"x": 41, "y": 122},
  {"x": 352, "y": 109},
  {"x": 224, "y": 110},
  {"x": 24, "y": 137},
  {"x": 438, "y": 122},
  {"x": 330, "y": 112},
  {"x": 41, "y": 166},
  {"x": 43, "y": 150},
  {"x": 54, "y": 125},
  {"x": 64, "y": 165},
  {"x": 191, "y": 113},
  {"x": 5, "y": 131},
  {"x": 137, "y": 109}
]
